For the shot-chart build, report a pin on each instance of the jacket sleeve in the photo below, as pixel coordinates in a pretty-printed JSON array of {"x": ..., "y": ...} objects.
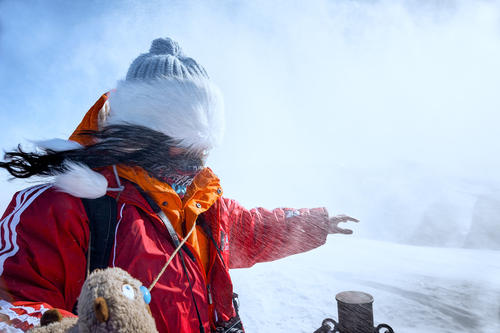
[
  {"x": 260, "y": 235},
  {"x": 44, "y": 238}
]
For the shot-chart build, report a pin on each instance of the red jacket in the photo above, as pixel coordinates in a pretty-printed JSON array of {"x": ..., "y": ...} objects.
[{"x": 44, "y": 240}]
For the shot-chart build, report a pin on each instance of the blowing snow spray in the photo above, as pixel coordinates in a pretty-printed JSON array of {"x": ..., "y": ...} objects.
[{"x": 355, "y": 315}]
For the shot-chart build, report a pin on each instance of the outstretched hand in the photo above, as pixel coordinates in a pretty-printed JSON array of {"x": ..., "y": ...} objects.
[{"x": 335, "y": 220}]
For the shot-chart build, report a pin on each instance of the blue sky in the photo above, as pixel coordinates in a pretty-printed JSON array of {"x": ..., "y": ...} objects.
[{"x": 379, "y": 109}]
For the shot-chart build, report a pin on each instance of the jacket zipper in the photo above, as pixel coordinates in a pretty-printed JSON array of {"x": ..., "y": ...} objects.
[{"x": 210, "y": 301}]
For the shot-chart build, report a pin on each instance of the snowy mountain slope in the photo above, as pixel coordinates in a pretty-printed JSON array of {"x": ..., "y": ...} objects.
[{"x": 416, "y": 289}]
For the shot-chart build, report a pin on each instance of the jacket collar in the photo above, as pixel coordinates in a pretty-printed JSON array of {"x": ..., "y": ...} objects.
[{"x": 204, "y": 190}]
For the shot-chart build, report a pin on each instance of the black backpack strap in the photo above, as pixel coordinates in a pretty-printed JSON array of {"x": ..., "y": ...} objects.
[{"x": 102, "y": 216}]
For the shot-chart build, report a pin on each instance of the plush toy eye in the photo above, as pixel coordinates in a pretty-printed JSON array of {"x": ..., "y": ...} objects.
[{"x": 128, "y": 291}]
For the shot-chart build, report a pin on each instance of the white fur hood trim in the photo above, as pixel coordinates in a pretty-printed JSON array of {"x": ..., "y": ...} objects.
[
  {"x": 57, "y": 144},
  {"x": 81, "y": 181},
  {"x": 190, "y": 111}
]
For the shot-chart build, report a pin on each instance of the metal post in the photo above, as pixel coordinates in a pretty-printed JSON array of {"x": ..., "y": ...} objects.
[
  {"x": 355, "y": 315},
  {"x": 355, "y": 312}
]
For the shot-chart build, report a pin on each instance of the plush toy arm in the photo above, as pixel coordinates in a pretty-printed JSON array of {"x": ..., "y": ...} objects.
[
  {"x": 64, "y": 325},
  {"x": 51, "y": 316}
]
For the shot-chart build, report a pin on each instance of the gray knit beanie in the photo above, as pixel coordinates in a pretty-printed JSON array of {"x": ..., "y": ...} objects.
[{"x": 165, "y": 59}]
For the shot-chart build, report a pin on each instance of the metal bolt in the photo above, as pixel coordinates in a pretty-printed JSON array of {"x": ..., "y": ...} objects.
[{"x": 198, "y": 205}]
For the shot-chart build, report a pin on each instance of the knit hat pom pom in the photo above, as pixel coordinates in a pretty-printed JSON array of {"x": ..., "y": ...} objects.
[{"x": 165, "y": 46}]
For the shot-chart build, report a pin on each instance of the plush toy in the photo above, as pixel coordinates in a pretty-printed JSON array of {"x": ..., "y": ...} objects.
[{"x": 110, "y": 301}]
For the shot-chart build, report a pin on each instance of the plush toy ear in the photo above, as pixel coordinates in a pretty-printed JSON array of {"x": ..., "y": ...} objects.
[
  {"x": 101, "y": 309},
  {"x": 50, "y": 316}
]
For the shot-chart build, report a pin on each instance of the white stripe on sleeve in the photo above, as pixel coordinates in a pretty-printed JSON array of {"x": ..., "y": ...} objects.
[{"x": 10, "y": 222}]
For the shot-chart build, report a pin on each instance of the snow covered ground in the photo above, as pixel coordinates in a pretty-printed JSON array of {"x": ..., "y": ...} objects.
[{"x": 416, "y": 289}]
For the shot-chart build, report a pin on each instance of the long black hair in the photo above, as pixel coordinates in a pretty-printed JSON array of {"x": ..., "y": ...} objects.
[{"x": 116, "y": 144}]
